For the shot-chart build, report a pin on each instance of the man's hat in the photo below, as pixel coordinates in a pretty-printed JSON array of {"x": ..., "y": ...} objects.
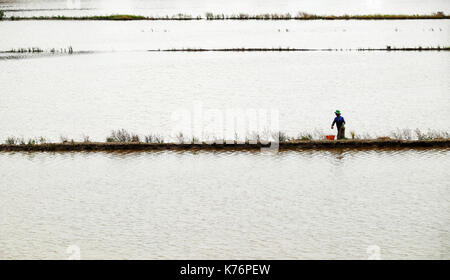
[{"x": 337, "y": 112}]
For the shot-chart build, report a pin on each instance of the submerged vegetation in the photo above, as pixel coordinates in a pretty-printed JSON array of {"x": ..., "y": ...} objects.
[
  {"x": 307, "y": 16},
  {"x": 25, "y": 50},
  {"x": 240, "y": 16},
  {"x": 68, "y": 50},
  {"x": 115, "y": 17},
  {"x": 387, "y": 48}
]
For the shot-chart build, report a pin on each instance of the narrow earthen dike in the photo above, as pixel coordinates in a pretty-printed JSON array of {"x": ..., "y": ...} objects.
[{"x": 294, "y": 145}]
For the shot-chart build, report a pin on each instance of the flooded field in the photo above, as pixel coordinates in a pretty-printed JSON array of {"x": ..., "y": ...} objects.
[
  {"x": 145, "y": 35},
  {"x": 291, "y": 205},
  {"x": 93, "y": 94}
]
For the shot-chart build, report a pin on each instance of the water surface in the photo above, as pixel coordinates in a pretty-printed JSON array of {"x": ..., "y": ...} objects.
[
  {"x": 92, "y": 94},
  {"x": 226, "y": 205}
]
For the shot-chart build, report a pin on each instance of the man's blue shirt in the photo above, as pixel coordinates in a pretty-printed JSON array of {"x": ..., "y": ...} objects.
[{"x": 338, "y": 121}]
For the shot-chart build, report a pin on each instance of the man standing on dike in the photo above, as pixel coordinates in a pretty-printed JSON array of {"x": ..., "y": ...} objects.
[{"x": 340, "y": 124}]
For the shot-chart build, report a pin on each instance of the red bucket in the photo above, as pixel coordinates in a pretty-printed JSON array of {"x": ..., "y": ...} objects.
[{"x": 330, "y": 137}]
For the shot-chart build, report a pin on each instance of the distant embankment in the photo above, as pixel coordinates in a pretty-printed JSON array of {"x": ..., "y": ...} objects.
[
  {"x": 294, "y": 145},
  {"x": 240, "y": 16},
  {"x": 387, "y": 48}
]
